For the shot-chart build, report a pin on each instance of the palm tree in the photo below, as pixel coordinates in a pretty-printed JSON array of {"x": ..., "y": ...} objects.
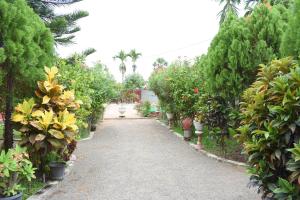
[
  {"x": 122, "y": 57},
  {"x": 134, "y": 56},
  {"x": 230, "y": 6},
  {"x": 159, "y": 63}
]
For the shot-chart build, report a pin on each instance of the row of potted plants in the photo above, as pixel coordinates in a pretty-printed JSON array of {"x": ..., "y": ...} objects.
[{"x": 187, "y": 124}]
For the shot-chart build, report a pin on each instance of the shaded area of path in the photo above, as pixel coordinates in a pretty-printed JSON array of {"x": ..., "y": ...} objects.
[{"x": 142, "y": 160}]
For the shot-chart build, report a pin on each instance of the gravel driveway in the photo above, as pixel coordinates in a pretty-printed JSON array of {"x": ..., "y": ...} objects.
[{"x": 139, "y": 159}]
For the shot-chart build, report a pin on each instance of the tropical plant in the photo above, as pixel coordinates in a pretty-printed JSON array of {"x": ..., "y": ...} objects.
[
  {"x": 63, "y": 26},
  {"x": 25, "y": 46},
  {"x": 134, "y": 81},
  {"x": 230, "y": 6},
  {"x": 94, "y": 86},
  {"x": 14, "y": 167},
  {"x": 134, "y": 56},
  {"x": 291, "y": 42},
  {"x": 122, "y": 56},
  {"x": 270, "y": 127},
  {"x": 160, "y": 63},
  {"x": 49, "y": 124}
]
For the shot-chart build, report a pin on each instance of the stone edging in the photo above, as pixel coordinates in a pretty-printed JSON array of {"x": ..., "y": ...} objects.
[
  {"x": 49, "y": 187},
  {"x": 210, "y": 155}
]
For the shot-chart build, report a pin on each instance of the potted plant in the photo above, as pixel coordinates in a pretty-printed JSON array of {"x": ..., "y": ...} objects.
[
  {"x": 47, "y": 123},
  {"x": 56, "y": 166},
  {"x": 187, "y": 128},
  {"x": 14, "y": 167},
  {"x": 198, "y": 122}
]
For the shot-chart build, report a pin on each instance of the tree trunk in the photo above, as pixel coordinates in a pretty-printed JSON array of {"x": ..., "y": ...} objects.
[{"x": 8, "y": 132}]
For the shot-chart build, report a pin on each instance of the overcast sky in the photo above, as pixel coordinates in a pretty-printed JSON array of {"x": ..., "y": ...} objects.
[{"x": 156, "y": 28}]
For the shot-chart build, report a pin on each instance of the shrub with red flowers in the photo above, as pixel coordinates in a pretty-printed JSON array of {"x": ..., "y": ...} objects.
[{"x": 178, "y": 86}]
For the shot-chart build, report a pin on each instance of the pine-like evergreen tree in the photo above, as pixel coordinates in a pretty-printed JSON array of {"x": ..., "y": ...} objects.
[
  {"x": 291, "y": 39},
  {"x": 26, "y": 47},
  {"x": 63, "y": 26},
  {"x": 239, "y": 47}
]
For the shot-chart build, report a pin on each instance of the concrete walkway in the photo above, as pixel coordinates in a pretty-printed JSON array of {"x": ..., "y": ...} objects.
[
  {"x": 139, "y": 159},
  {"x": 112, "y": 111}
]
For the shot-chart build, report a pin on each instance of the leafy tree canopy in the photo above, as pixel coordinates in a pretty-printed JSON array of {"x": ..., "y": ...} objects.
[{"x": 134, "y": 81}]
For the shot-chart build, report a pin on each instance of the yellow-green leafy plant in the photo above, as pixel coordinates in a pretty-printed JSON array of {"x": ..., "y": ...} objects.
[{"x": 49, "y": 123}]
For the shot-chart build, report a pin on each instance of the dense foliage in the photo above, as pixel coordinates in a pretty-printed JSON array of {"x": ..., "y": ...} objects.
[
  {"x": 177, "y": 87},
  {"x": 14, "y": 163},
  {"x": 133, "y": 82},
  {"x": 26, "y": 45},
  {"x": 270, "y": 129},
  {"x": 49, "y": 122},
  {"x": 291, "y": 40},
  {"x": 238, "y": 48},
  {"x": 93, "y": 86}
]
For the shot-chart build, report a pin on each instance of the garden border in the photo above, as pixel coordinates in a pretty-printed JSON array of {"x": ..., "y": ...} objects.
[{"x": 206, "y": 153}]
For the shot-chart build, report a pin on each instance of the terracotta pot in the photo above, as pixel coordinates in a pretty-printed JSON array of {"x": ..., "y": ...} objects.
[{"x": 187, "y": 123}]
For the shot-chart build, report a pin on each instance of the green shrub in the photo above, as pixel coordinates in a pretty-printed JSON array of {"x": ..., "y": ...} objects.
[
  {"x": 133, "y": 82},
  {"x": 270, "y": 129},
  {"x": 178, "y": 87},
  {"x": 291, "y": 39},
  {"x": 146, "y": 108},
  {"x": 14, "y": 167}
]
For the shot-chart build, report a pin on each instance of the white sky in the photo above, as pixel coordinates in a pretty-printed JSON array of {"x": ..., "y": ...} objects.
[{"x": 156, "y": 28}]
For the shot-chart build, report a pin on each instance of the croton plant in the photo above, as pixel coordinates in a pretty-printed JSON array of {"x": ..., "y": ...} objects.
[
  {"x": 47, "y": 123},
  {"x": 270, "y": 129}
]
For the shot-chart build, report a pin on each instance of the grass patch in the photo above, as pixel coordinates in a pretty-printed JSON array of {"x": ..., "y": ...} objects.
[{"x": 31, "y": 188}]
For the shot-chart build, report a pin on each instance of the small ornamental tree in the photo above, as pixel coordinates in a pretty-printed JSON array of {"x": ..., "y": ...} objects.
[
  {"x": 49, "y": 123},
  {"x": 270, "y": 129},
  {"x": 26, "y": 45}
]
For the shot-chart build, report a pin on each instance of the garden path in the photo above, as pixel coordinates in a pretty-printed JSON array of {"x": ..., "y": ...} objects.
[
  {"x": 112, "y": 111},
  {"x": 138, "y": 159}
]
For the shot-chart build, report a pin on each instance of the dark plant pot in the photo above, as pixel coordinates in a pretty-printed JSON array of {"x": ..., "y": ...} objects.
[
  {"x": 57, "y": 170},
  {"x": 93, "y": 127},
  {"x": 16, "y": 197}
]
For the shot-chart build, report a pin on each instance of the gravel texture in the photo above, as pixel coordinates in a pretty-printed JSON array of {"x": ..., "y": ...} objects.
[{"x": 138, "y": 159}]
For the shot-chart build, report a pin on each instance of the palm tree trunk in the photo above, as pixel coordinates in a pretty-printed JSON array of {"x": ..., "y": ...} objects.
[{"x": 8, "y": 129}]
